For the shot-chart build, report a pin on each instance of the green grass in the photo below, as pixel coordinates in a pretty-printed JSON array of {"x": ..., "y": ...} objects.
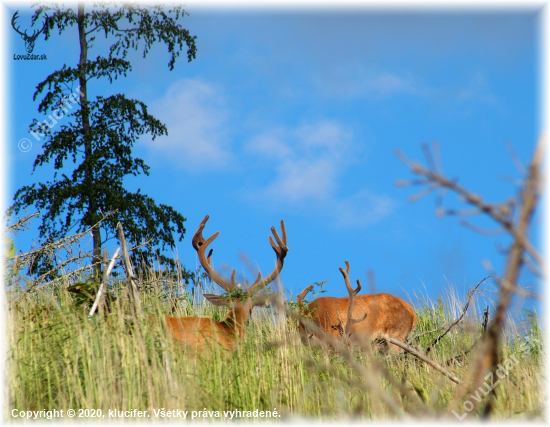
[{"x": 58, "y": 359}]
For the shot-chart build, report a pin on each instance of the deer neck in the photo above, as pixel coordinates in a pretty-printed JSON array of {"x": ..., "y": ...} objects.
[{"x": 237, "y": 319}]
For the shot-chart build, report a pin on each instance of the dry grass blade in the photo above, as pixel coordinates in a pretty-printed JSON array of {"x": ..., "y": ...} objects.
[{"x": 133, "y": 290}]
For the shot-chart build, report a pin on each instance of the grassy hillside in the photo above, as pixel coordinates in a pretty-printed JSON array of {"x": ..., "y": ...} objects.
[{"x": 59, "y": 359}]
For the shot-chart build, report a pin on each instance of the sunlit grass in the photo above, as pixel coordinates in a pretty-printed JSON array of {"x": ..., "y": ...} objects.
[{"x": 60, "y": 359}]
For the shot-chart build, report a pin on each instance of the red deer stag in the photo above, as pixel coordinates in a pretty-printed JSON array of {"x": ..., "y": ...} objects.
[
  {"x": 201, "y": 332},
  {"x": 386, "y": 316}
]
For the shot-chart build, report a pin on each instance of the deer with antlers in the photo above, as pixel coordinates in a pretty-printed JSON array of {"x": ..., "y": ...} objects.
[
  {"x": 358, "y": 318},
  {"x": 201, "y": 332}
]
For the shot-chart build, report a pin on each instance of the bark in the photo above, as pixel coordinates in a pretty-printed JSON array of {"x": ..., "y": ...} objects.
[{"x": 86, "y": 131}]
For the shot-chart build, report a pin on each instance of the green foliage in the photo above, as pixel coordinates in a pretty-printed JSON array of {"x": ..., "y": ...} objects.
[
  {"x": 236, "y": 294},
  {"x": 533, "y": 339},
  {"x": 97, "y": 136},
  {"x": 303, "y": 308},
  {"x": 84, "y": 292}
]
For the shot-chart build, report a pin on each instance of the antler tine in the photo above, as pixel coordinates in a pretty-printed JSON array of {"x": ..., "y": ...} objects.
[
  {"x": 281, "y": 250},
  {"x": 358, "y": 288},
  {"x": 36, "y": 33},
  {"x": 259, "y": 277},
  {"x": 209, "y": 259},
  {"x": 302, "y": 295},
  {"x": 200, "y": 246},
  {"x": 283, "y": 231},
  {"x": 282, "y": 244}
]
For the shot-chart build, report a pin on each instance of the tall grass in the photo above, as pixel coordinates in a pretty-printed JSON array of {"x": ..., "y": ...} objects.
[{"x": 60, "y": 359}]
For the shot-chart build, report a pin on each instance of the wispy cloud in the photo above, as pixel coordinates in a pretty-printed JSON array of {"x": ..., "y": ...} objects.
[
  {"x": 196, "y": 116},
  {"x": 308, "y": 164},
  {"x": 359, "y": 82},
  {"x": 362, "y": 209},
  {"x": 478, "y": 90},
  {"x": 352, "y": 82}
]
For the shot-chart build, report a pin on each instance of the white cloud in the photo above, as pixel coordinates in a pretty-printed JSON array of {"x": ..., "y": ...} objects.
[
  {"x": 362, "y": 209},
  {"x": 305, "y": 160},
  {"x": 195, "y": 115},
  {"x": 308, "y": 163},
  {"x": 269, "y": 145},
  {"x": 302, "y": 179}
]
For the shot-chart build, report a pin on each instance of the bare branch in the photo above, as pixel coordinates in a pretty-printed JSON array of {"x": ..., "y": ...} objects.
[
  {"x": 480, "y": 230},
  {"x": 20, "y": 224},
  {"x": 457, "y": 321},
  {"x": 495, "y": 211},
  {"x": 132, "y": 287},
  {"x": 424, "y": 358},
  {"x": 103, "y": 287}
]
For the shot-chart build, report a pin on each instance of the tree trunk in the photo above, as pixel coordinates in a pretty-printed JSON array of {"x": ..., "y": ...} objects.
[{"x": 86, "y": 131}]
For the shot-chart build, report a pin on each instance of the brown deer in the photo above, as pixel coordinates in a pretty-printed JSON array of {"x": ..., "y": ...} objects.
[
  {"x": 374, "y": 316},
  {"x": 201, "y": 332}
]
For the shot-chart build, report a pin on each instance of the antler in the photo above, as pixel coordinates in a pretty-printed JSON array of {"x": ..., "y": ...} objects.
[
  {"x": 36, "y": 33},
  {"x": 15, "y": 16},
  {"x": 281, "y": 250},
  {"x": 352, "y": 292},
  {"x": 25, "y": 35},
  {"x": 200, "y": 246},
  {"x": 300, "y": 297}
]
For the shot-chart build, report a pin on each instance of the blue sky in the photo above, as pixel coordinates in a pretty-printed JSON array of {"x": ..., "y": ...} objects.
[{"x": 296, "y": 115}]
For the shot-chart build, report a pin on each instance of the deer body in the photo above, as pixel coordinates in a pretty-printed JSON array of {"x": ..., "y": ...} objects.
[
  {"x": 366, "y": 317},
  {"x": 387, "y": 315},
  {"x": 201, "y": 333}
]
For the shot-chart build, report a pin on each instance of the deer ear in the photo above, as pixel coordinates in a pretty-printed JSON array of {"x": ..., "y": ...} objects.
[{"x": 216, "y": 299}]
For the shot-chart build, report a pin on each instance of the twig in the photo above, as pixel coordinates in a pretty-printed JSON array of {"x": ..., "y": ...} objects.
[
  {"x": 494, "y": 211},
  {"x": 459, "y": 357},
  {"x": 17, "y": 226},
  {"x": 485, "y": 319},
  {"x": 457, "y": 321},
  {"x": 50, "y": 247},
  {"x": 420, "y": 334},
  {"x": 66, "y": 276},
  {"x": 488, "y": 355},
  {"x": 371, "y": 281},
  {"x": 424, "y": 358}
]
